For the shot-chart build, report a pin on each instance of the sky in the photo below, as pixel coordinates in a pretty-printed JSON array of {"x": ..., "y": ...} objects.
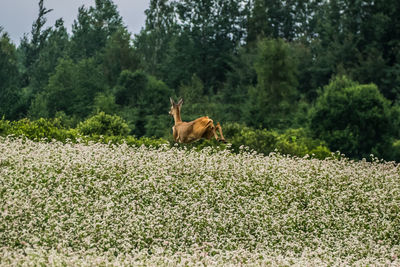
[{"x": 17, "y": 16}]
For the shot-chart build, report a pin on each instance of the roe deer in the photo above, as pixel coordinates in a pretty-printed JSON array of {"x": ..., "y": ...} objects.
[{"x": 187, "y": 132}]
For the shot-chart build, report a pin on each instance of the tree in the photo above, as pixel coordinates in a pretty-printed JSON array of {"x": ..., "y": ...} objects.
[
  {"x": 266, "y": 20},
  {"x": 272, "y": 99},
  {"x": 211, "y": 31},
  {"x": 186, "y": 37},
  {"x": 9, "y": 78},
  {"x": 54, "y": 47},
  {"x": 72, "y": 88},
  {"x": 30, "y": 50},
  {"x": 357, "y": 38},
  {"x": 290, "y": 20},
  {"x": 143, "y": 102},
  {"x": 152, "y": 42},
  {"x": 93, "y": 27},
  {"x": 240, "y": 78},
  {"x": 130, "y": 87},
  {"x": 118, "y": 55},
  {"x": 352, "y": 118}
]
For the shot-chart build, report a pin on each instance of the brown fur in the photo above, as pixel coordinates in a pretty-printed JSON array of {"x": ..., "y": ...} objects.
[{"x": 187, "y": 132}]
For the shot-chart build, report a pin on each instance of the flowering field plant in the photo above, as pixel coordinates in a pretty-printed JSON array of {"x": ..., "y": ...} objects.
[{"x": 96, "y": 204}]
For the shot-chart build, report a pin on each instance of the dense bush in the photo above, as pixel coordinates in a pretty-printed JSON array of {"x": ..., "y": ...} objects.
[
  {"x": 294, "y": 142},
  {"x": 104, "y": 124},
  {"x": 106, "y": 129},
  {"x": 394, "y": 152},
  {"x": 297, "y": 142},
  {"x": 52, "y": 129},
  {"x": 354, "y": 119},
  {"x": 37, "y": 130}
]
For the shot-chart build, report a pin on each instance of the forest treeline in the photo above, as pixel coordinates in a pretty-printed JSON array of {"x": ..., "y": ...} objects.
[{"x": 328, "y": 67}]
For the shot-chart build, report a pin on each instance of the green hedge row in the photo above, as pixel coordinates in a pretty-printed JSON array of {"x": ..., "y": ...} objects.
[
  {"x": 112, "y": 129},
  {"x": 293, "y": 142},
  {"x": 88, "y": 131}
]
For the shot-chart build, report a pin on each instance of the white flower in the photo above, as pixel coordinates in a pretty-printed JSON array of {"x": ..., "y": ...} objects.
[{"x": 76, "y": 204}]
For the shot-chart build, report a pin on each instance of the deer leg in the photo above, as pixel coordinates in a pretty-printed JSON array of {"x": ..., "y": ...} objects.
[
  {"x": 209, "y": 132},
  {"x": 215, "y": 133},
  {"x": 212, "y": 130},
  {"x": 222, "y": 139},
  {"x": 174, "y": 134}
]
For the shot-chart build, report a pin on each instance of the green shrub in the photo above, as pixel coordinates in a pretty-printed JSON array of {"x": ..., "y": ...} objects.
[
  {"x": 104, "y": 124},
  {"x": 294, "y": 142},
  {"x": 4, "y": 127},
  {"x": 394, "y": 152},
  {"x": 107, "y": 129},
  {"x": 260, "y": 140},
  {"x": 297, "y": 142},
  {"x": 354, "y": 119},
  {"x": 37, "y": 130},
  {"x": 53, "y": 129}
]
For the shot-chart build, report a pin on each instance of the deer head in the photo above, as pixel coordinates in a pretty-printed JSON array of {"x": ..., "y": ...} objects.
[{"x": 176, "y": 109}]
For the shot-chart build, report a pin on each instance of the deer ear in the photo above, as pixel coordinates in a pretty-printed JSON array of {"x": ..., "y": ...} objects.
[
  {"x": 180, "y": 102},
  {"x": 172, "y": 101}
]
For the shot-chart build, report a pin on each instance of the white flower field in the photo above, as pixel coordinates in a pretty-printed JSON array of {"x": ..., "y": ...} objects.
[{"x": 95, "y": 204}]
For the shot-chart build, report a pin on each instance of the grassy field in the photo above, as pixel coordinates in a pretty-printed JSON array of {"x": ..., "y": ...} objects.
[{"x": 76, "y": 204}]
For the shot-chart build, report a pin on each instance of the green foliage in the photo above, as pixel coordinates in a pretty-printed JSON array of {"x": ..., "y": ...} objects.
[
  {"x": 73, "y": 87},
  {"x": 354, "y": 119},
  {"x": 39, "y": 107},
  {"x": 107, "y": 129},
  {"x": 153, "y": 41},
  {"x": 101, "y": 128},
  {"x": 40, "y": 129},
  {"x": 104, "y": 124},
  {"x": 190, "y": 37},
  {"x": 105, "y": 102},
  {"x": 196, "y": 104},
  {"x": 93, "y": 27},
  {"x": 276, "y": 19},
  {"x": 299, "y": 143},
  {"x": 395, "y": 151},
  {"x": 66, "y": 121},
  {"x": 144, "y": 103},
  {"x": 4, "y": 127},
  {"x": 52, "y": 48},
  {"x": 260, "y": 63},
  {"x": 272, "y": 100},
  {"x": 130, "y": 87},
  {"x": 240, "y": 136},
  {"x": 118, "y": 55},
  {"x": 30, "y": 50},
  {"x": 295, "y": 142},
  {"x": 157, "y": 125},
  {"x": 9, "y": 95}
]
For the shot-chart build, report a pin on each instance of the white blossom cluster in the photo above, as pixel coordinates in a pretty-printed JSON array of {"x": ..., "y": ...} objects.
[{"x": 95, "y": 204}]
